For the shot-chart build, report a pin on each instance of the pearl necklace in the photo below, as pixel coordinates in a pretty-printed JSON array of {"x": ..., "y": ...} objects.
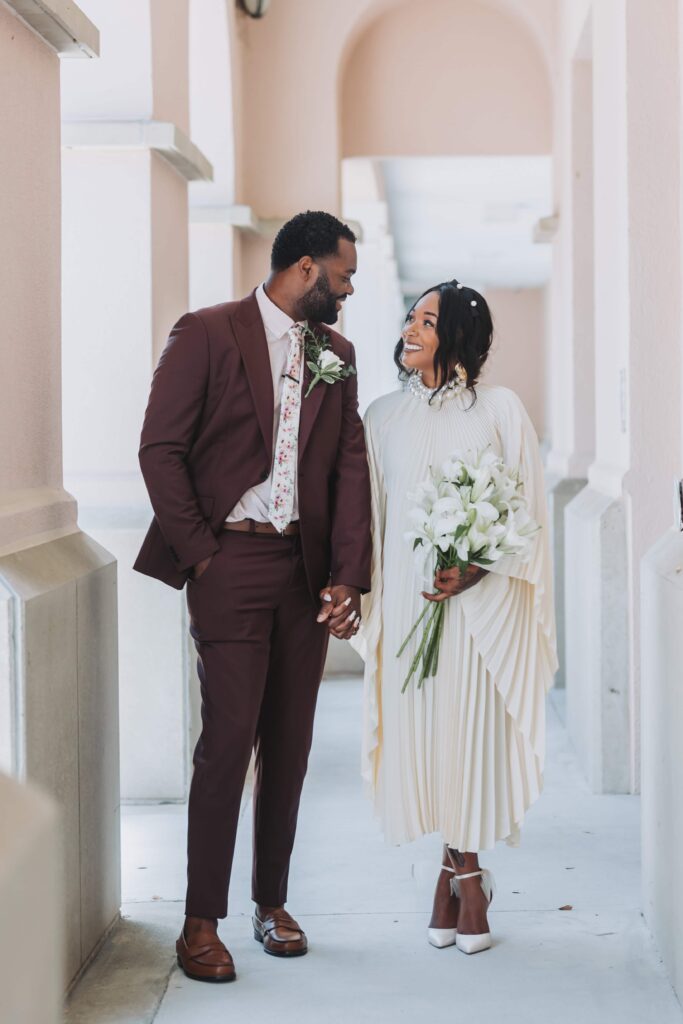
[{"x": 420, "y": 390}]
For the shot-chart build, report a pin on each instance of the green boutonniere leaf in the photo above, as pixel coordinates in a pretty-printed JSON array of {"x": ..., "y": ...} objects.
[{"x": 330, "y": 371}]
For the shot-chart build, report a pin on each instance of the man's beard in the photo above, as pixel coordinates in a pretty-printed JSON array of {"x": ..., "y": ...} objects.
[{"x": 319, "y": 304}]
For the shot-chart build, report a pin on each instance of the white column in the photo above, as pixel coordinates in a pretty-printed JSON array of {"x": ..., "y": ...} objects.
[
  {"x": 58, "y": 660},
  {"x": 572, "y": 405},
  {"x": 126, "y": 164},
  {"x": 662, "y": 763},
  {"x": 211, "y": 117},
  {"x": 372, "y": 316},
  {"x": 596, "y": 547},
  {"x": 31, "y": 907},
  {"x": 656, "y": 130},
  {"x": 653, "y": 377}
]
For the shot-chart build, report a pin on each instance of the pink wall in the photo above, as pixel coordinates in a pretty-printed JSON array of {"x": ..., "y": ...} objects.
[
  {"x": 30, "y": 401},
  {"x": 445, "y": 77},
  {"x": 170, "y": 62},
  {"x": 517, "y": 357},
  {"x": 361, "y": 91}
]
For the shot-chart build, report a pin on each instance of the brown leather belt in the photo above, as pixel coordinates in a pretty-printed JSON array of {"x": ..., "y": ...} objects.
[{"x": 251, "y": 526}]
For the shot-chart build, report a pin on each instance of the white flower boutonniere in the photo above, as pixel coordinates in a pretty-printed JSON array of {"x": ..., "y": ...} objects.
[{"x": 323, "y": 363}]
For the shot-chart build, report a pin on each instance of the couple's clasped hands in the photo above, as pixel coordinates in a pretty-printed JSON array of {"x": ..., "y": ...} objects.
[{"x": 340, "y": 609}]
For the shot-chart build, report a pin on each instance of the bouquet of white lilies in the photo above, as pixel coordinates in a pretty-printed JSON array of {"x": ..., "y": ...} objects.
[{"x": 469, "y": 512}]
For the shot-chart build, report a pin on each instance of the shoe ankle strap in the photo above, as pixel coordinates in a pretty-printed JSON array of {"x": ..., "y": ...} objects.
[{"x": 471, "y": 874}]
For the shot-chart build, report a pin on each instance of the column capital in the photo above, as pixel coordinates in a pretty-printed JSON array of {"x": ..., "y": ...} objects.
[
  {"x": 163, "y": 137},
  {"x": 61, "y": 24}
]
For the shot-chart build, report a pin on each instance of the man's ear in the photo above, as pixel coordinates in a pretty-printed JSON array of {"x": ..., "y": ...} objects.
[{"x": 307, "y": 268}]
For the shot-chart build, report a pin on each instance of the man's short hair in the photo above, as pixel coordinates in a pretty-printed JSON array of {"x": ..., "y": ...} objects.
[{"x": 314, "y": 233}]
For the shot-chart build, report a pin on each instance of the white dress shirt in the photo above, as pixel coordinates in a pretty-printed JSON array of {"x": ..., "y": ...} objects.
[{"x": 254, "y": 504}]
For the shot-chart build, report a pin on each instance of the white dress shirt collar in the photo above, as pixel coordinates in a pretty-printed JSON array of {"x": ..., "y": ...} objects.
[{"x": 275, "y": 320}]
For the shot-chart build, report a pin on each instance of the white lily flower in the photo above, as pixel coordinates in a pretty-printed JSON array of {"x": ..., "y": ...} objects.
[
  {"x": 462, "y": 548},
  {"x": 476, "y": 499},
  {"x": 485, "y": 511}
]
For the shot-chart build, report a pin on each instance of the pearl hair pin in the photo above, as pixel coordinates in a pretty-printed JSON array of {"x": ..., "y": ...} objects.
[{"x": 459, "y": 286}]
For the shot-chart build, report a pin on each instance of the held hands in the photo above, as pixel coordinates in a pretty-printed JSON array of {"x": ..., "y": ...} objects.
[
  {"x": 340, "y": 609},
  {"x": 451, "y": 582}
]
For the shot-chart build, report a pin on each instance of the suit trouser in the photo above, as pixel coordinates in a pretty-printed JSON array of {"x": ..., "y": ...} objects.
[{"x": 261, "y": 656}]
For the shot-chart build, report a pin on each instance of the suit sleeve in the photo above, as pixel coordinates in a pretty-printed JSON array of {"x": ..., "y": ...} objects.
[
  {"x": 173, "y": 412},
  {"x": 351, "y": 539}
]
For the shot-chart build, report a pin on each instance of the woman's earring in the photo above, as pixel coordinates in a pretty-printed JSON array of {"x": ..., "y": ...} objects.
[{"x": 461, "y": 373}]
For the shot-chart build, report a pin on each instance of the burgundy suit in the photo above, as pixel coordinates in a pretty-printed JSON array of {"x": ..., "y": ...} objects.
[{"x": 207, "y": 438}]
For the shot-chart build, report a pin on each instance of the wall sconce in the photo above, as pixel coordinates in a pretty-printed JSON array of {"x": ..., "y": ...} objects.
[{"x": 254, "y": 8}]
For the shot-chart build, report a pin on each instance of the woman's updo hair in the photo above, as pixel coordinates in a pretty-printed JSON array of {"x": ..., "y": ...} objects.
[{"x": 464, "y": 330}]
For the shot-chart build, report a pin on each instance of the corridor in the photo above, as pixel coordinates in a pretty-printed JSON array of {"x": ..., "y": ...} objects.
[{"x": 365, "y": 908}]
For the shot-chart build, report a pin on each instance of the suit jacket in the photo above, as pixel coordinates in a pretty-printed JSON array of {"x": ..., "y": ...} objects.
[{"x": 208, "y": 437}]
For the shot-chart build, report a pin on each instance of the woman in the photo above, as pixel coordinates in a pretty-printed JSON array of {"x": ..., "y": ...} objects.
[{"x": 463, "y": 754}]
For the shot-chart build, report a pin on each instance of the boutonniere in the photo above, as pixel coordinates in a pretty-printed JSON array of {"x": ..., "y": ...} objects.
[{"x": 323, "y": 363}]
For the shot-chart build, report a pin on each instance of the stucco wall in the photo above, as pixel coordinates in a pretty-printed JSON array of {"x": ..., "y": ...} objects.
[
  {"x": 517, "y": 358},
  {"x": 29, "y": 226},
  {"x": 445, "y": 77}
]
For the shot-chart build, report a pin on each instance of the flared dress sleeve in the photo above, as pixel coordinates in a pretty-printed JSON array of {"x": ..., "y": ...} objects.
[
  {"x": 368, "y": 641},
  {"x": 510, "y": 614}
]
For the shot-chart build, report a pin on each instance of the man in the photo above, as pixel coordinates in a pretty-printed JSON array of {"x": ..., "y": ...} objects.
[{"x": 254, "y": 457}]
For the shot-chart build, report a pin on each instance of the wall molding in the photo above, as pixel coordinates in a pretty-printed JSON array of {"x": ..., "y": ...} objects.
[
  {"x": 59, "y": 23},
  {"x": 243, "y": 217},
  {"x": 162, "y": 137}
]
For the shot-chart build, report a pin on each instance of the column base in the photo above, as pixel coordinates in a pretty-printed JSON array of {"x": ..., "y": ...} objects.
[
  {"x": 597, "y": 638},
  {"x": 59, "y": 714},
  {"x": 560, "y": 493},
  {"x": 159, "y": 690},
  {"x": 31, "y": 910},
  {"x": 662, "y": 754}
]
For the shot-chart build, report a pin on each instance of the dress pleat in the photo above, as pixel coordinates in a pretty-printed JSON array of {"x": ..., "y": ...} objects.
[{"x": 463, "y": 755}]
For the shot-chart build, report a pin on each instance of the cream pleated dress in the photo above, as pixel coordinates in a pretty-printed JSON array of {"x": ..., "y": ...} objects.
[{"x": 464, "y": 754}]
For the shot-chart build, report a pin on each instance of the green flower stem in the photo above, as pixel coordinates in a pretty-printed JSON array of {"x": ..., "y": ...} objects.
[
  {"x": 405, "y": 642},
  {"x": 420, "y": 650},
  {"x": 431, "y": 657},
  {"x": 436, "y": 642},
  {"x": 427, "y": 653}
]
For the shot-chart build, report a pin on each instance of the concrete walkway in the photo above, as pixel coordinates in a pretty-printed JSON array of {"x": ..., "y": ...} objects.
[{"x": 365, "y": 907}]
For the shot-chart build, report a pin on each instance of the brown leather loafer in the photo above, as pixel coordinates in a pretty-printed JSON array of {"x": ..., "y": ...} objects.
[
  {"x": 279, "y": 933},
  {"x": 205, "y": 961}
]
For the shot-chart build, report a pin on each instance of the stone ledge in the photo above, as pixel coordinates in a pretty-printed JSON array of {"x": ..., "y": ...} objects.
[
  {"x": 59, "y": 682},
  {"x": 61, "y": 24},
  {"x": 597, "y": 639},
  {"x": 30, "y": 891},
  {"x": 162, "y": 137},
  {"x": 32, "y": 513}
]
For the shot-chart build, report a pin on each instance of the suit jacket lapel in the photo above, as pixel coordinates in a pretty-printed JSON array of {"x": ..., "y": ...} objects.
[
  {"x": 310, "y": 407},
  {"x": 251, "y": 338}
]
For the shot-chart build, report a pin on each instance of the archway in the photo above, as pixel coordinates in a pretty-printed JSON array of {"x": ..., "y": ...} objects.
[{"x": 452, "y": 104}]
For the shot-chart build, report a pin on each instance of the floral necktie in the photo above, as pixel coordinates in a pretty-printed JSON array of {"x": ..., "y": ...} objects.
[{"x": 287, "y": 444}]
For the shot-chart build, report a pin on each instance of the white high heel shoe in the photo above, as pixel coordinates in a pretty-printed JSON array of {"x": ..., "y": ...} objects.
[
  {"x": 474, "y": 943},
  {"x": 442, "y": 937}
]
